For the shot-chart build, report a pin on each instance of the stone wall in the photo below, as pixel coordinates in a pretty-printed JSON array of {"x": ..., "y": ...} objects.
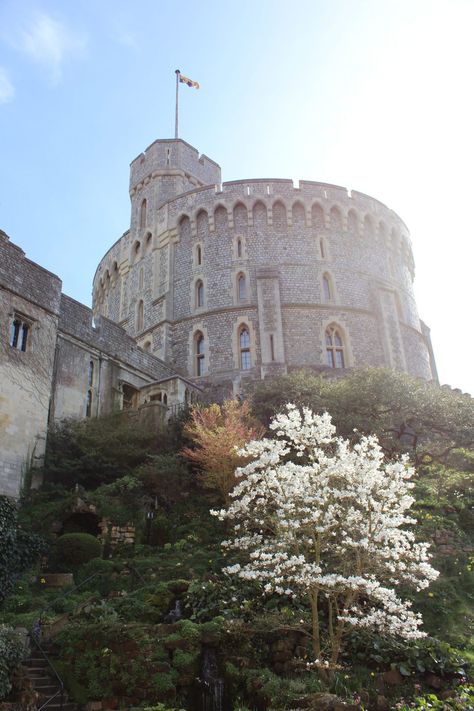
[
  {"x": 30, "y": 295},
  {"x": 306, "y": 235}
]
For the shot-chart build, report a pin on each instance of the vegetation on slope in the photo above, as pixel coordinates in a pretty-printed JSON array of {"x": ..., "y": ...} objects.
[{"x": 165, "y": 603}]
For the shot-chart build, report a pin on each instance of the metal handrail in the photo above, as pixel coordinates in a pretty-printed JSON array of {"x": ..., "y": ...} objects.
[
  {"x": 60, "y": 691},
  {"x": 65, "y": 594}
]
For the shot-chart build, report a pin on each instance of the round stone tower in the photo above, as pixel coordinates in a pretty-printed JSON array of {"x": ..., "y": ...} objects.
[{"x": 252, "y": 278}]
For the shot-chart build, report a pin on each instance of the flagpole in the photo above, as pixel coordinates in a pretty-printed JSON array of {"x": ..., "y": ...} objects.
[{"x": 176, "y": 124}]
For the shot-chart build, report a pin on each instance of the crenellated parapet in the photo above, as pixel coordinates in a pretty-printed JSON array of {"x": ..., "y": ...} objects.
[{"x": 195, "y": 265}]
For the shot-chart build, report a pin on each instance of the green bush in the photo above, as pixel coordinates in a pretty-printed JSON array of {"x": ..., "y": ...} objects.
[
  {"x": 12, "y": 652},
  {"x": 75, "y": 549}
]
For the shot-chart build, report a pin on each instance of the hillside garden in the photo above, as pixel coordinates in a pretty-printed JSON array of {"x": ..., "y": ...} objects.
[{"x": 300, "y": 583}]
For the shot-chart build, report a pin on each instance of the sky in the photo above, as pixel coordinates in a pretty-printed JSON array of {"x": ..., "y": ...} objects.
[{"x": 373, "y": 95}]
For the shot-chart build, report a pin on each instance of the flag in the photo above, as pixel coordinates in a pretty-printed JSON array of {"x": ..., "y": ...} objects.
[{"x": 189, "y": 82}]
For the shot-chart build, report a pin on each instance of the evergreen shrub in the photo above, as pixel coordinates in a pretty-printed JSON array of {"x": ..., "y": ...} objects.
[{"x": 75, "y": 549}]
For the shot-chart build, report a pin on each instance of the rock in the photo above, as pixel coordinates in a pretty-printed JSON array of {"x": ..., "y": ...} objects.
[
  {"x": 434, "y": 681},
  {"x": 392, "y": 677},
  {"x": 165, "y": 629},
  {"x": 381, "y": 703},
  {"x": 318, "y": 702},
  {"x": 448, "y": 694}
]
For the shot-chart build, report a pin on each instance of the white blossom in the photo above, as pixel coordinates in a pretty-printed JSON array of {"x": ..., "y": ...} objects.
[{"x": 316, "y": 515}]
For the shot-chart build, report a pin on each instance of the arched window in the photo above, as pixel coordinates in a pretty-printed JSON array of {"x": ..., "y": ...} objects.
[
  {"x": 198, "y": 255},
  {"x": 239, "y": 248},
  {"x": 322, "y": 248},
  {"x": 327, "y": 289},
  {"x": 199, "y": 346},
  {"x": 244, "y": 348},
  {"x": 334, "y": 348},
  {"x": 241, "y": 287},
  {"x": 140, "y": 279},
  {"x": 140, "y": 316},
  {"x": 199, "y": 294},
  {"x": 143, "y": 213}
]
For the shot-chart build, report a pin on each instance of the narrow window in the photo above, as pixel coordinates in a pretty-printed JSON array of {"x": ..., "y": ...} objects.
[
  {"x": 23, "y": 336},
  {"x": 90, "y": 380},
  {"x": 272, "y": 347},
  {"x": 322, "y": 250},
  {"x": 19, "y": 334},
  {"x": 241, "y": 287},
  {"x": 199, "y": 294},
  {"x": 143, "y": 214},
  {"x": 15, "y": 333},
  {"x": 199, "y": 354},
  {"x": 334, "y": 348},
  {"x": 165, "y": 399},
  {"x": 244, "y": 345},
  {"x": 140, "y": 316},
  {"x": 239, "y": 248},
  {"x": 89, "y": 403},
  {"x": 140, "y": 279},
  {"x": 198, "y": 255},
  {"x": 327, "y": 294}
]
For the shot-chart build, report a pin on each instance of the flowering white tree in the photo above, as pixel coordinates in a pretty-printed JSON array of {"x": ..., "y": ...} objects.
[{"x": 320, "y": 517}]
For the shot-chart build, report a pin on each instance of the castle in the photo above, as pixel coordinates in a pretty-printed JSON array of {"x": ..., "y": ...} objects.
[{"x": 213, "y": 284}]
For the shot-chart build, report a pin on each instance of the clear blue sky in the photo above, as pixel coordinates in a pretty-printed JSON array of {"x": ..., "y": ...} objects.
[{"x": 375, "y": 95}]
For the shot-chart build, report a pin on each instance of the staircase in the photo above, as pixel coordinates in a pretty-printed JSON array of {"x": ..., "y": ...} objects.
[{"x": 45, "y": 683}]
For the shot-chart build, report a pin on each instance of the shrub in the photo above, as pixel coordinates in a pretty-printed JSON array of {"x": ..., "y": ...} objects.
[
  {"x": 75, "y": 549},
  {"x": 12, "y": 651}
]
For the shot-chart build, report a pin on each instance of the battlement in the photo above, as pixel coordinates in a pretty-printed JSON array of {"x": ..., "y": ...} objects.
[{"x": 165, "y": 156}]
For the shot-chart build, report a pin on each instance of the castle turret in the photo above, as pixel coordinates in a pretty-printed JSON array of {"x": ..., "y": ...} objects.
[{"x": 166, "y": 169}]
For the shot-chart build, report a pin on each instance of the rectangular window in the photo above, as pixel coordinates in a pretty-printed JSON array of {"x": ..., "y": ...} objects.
[
  {"x": 272, "y": 347},
  {"x": 245, "y": 360}
]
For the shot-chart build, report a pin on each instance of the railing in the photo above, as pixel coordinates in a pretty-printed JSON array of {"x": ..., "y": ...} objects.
[{"x": 60, "y": 691}]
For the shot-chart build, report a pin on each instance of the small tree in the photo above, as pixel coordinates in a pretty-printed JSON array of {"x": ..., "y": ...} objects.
[
  {"x": 319, "y": 517},
  {"x": 217, "y": 431}
]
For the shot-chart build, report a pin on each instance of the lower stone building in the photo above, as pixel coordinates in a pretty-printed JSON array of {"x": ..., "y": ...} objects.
[
  {"x": 57, "y": 360},
  {"x": 213, "y": 284}
]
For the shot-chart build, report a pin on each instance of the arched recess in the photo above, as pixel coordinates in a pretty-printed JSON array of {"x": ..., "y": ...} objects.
[
  {"x": 369, "y": 231},
  {"x": 317, "y": 217},
  {"x": 353, "y": 222},
  {"x": 240, "y": 214},
  {"x": 202, "y": 224},
  {"x": 327, "y": 288},
  {"x": 259, "y": 212},
  {"x": 280, "y": 223},
  {"x": 382, "y": 232},
  {"x": 135, "y": 251},
  {"x": 336, "y": 219},
  {"x": 140, "y": 316},
  {"x": 143, "y": 213},
  {"x": 221, "y": 220},
  {"x": 298, "y": 215},
  {"x": 184, "y": 227}
]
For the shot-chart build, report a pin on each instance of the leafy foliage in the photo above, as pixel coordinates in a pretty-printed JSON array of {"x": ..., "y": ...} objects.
[
  {"x": 406, "y": 414},
  {"x": 92, "y": 452},
  {"x": 217, "y": 430},
  {"x": 75, "y": 549},
  {"x": 318, "y": 516},
  {"x": 18, "y": 548},
  {"x": 12, "y": 652}
]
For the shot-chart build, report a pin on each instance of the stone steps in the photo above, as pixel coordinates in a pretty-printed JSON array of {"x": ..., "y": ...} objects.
[{"x": 45, "y": 682}]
